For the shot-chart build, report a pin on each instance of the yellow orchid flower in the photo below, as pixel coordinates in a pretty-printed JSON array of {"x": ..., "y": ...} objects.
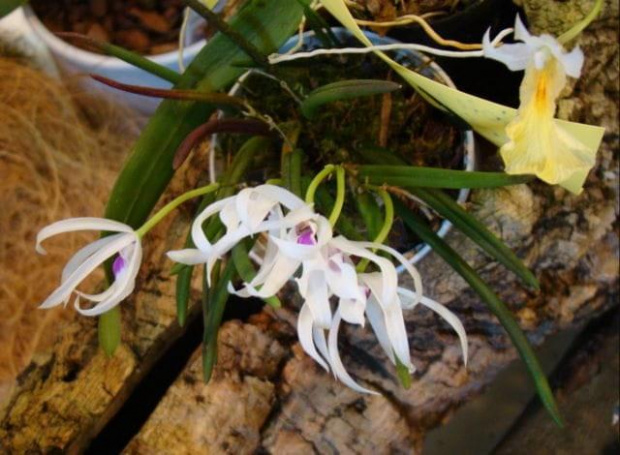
[
  {"x": 536, "y": 144},
  {"x": 491, "y": 119}
]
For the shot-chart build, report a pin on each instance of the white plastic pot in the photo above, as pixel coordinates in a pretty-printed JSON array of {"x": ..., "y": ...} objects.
[{"x": 79, "y": 64}]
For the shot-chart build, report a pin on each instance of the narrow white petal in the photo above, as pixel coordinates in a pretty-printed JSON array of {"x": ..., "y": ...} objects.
[
  {"x": 304, "y": 332},
  {"x": 521, "y": 32},
  {"x": 198, "y": 235},
  {"x": 79, "y": 224},
  {"x": 85, "y": 253},
  {"x": 80, "y": 273},
  {"x": 317, "y": 298},
  {"x": 515, "y": 56},
  {"x": 388, "y": 272},
  {"x": 447, "y": 315},
  {"x": 318, "y": 335},
  {"x": 374, "y": 312},
  {"x": 413, "y": 272},
  {"x": 573, "y": 62},
  {"x": 336, "y": 363},
  {"x": 352, "y": 311},
  {"x": 282, "y": 195},
  {"x": 189, "y": 256},
  {"x": 123, "y": 287},
  {"x": 342, "y": 278}
]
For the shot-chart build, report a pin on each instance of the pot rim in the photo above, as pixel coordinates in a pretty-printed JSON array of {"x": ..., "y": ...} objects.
[
  {"x": 83, "y": 57},
  {"x": 468, "y": 141}
]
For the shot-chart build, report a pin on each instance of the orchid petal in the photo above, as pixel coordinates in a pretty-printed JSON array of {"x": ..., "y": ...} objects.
[
  {"x": 189, "y": 256},
  {"x": 124, "y": 286},
  {"x": 336, "y": 363},
  {"x": 80, "y": 273},
  {"x": 317, "y": 298},
  {"x": 79, "y": 224},
  {"x": 515, "y": 56},
  {"x": 84, "y": 253},
  {"x": 304, "y": 332},
  {"x": 352, "y": 311},
  {"x": 447, "y": 315}
]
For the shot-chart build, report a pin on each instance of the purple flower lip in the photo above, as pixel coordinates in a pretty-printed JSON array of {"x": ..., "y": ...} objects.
[
  {"x": 118, "y": 265},
  {"x": 306, "y": 237}
]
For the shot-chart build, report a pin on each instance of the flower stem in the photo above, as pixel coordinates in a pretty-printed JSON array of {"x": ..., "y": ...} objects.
[
  {"x": 169, "y": 207},
  {"x": 387, "y": 223},
  {"x": 316, "y": 181},
  {"x": 576, "y": 29},
  {"x": 340, "y": 192}
]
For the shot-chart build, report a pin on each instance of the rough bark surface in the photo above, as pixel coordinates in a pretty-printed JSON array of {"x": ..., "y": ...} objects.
[{"x": 267, "y": 396}]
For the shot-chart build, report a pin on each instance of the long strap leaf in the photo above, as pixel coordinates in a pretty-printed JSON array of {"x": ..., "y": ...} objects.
[
  {"x": 427, "y": 177},
  {"x": 495, "y": 305}
]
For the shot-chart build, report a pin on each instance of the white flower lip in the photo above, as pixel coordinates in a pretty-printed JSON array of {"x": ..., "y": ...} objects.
[
  {"x": 125, "y": 242},
  {"x": 532, "y": 50}
]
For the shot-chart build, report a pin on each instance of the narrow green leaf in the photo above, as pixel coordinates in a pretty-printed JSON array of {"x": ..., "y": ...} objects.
[
  {"x": 125, "y": 55},
  {"x": 412, "y": 176},
  {"x": 476, "y": 231},
  {"x": 344, "y": 90},
  {"x": 319, "y": 26},
  {"x": 495, "y": 305},
  {"x": 109, "y": 330},
  {"x": 214, "y": 302},
  {"x": 148, "y": 170},
  {"x": 246, "y": 270}
]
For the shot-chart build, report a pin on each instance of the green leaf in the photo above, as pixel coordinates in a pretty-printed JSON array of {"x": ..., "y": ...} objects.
[
  {"x": 148, "y": 170},
  {"x": 214, "y": 302},
  {"x": 493, "y": 303},
  {"x": 476, "y": 231},
  {"x": 246, "y": 270},
  {"x": 344, "y": 90},
  {"x": 404, "y": 376},
  {"x": 319, "y": 26},
  {"x": 125, "y": 55},
  {"x": 412, "y": 176},
  {"x": 325, "y": 202},
  {"x": 7, "y": 6},
  {"x": 109, "y": 330}
]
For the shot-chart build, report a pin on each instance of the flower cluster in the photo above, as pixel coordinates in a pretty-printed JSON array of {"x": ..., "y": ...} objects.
[
  {"x": 300, "y": 247},
  {"x": 301, "y": 239}
]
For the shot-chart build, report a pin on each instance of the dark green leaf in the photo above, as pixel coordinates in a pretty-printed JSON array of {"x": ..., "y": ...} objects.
[
  {"x": 344, "y": 90},
  {"x": 109, "y": 330},
  {"x": 412, "y": 176},
  {"x": 214, "y": 302},
  {"x": 495, "y": 305}
]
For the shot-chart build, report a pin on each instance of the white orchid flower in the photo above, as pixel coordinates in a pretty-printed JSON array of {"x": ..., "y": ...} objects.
[
  {"x": 125, "y": 245},
  {"x": 537, "y": 144},
  {"x": 251, "y": 211}
]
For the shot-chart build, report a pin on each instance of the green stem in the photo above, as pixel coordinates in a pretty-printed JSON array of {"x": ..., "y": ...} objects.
[
  {"x": 316, "y": 181},
  {"x": 576, "y": 29},
  {"x": 253, "y": 52},
  {"x": 340, "y": 193},
  {"x": 169, "y": 207}
]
